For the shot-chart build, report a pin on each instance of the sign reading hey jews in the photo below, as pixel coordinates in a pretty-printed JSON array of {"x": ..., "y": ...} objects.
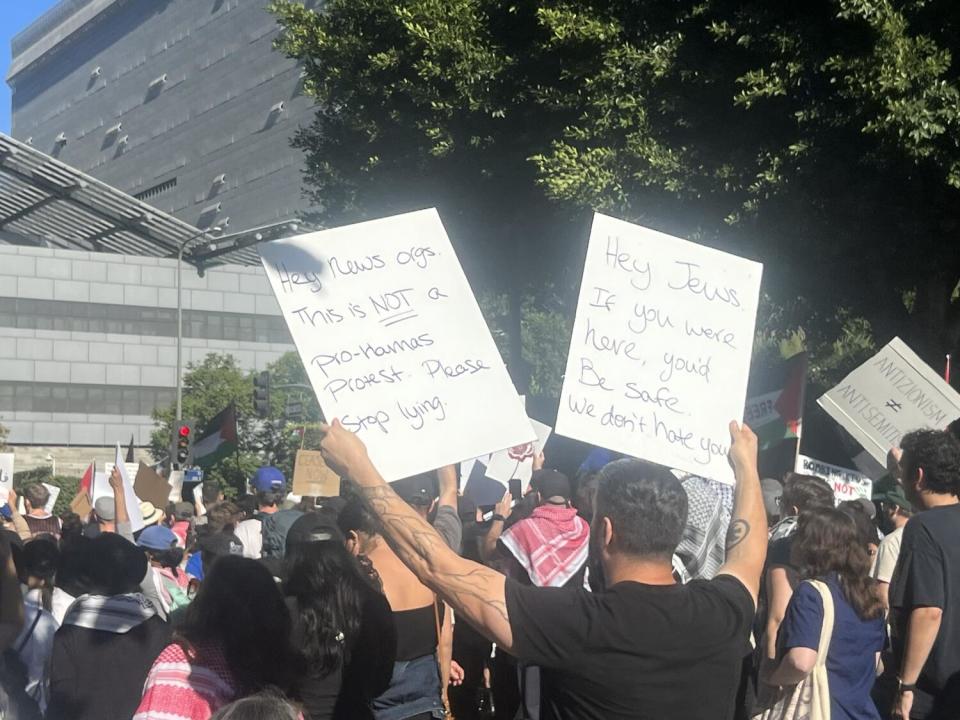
[
  {"x": 661, "y": 346},
  {"x": 394, "y": 343},
  {"x": 888, "y": 396}
]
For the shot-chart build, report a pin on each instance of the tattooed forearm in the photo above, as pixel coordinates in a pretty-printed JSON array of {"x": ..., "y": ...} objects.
[
  {"x": 468, "y": 587},
  {"x": 737, "y": 533}
]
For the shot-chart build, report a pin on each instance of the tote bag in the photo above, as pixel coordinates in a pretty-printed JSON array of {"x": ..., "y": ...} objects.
[{"x": 810, "y": 698}]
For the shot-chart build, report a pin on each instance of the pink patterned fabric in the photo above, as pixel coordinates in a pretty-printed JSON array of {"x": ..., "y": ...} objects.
[
  {"x": 186, "y": 686},
  {"x": 551, "y": 544}
]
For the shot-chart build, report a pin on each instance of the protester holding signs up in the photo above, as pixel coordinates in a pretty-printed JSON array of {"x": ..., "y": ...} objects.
[
  {"x": 644, "y": 647},
  {"x": 415, "y": 688}
]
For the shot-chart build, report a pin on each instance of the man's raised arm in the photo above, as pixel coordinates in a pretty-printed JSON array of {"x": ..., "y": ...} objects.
[
  {"x": 747, "y": 535},
  {"x": 474, "y": 591}
]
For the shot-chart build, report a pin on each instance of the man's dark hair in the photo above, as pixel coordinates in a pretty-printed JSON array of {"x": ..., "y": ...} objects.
[
  {"x": 938, "y": 454},
  {"x": 210, "y": 492},
  {"x": 646, "y": 504},
  {"x": 357, "y": 517},
  {"x": 954, "y": 428},
  {"x": 269, "y": 499},
  {"x": 248, "y": 505},
  {"x": 111, "y": 565},
  {"x": 37, "y": 495},
  {"x": 805, "y": 492}
]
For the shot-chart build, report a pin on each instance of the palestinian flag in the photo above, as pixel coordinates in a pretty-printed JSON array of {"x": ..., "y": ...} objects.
[
  {"x": 86, "y": 482},
  {"x": 774, "y": 411},
  {"x": 219, "y": 438}
]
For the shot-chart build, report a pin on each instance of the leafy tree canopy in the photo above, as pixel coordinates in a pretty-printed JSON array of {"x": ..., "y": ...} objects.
[{"x": 820, "y": 138}]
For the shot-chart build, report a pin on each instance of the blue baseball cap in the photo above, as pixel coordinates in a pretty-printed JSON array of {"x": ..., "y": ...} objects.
[
  {"x": 268, "y": 479},
  {"x": 157, "y": 537}
]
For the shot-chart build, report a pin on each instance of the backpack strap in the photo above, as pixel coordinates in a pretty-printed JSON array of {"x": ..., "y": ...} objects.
[{"x": 26, "y": 638}]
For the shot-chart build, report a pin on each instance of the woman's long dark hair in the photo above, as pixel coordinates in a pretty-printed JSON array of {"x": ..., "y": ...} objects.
[
  {"x": 329, "y": 587},
  {"x": 828, "y": 541},
  {"x": 240, "y": 609}
]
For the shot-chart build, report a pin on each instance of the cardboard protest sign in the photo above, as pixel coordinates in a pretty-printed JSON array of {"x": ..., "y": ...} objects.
[
  {"x": 660, "y": 352},
  {"x": 312, "y": 477},
  {"x": 150, "y": 487},
  {"x": 52, "y": 500},
  {"x": 6, "y": 475},
  {"x": 847, "y": 484},
  {"x": 891, "y": 394},
  {"x": 129, "y": 496},
  {"x": 517, "y": 462},
  {"x": 81, "y": 505},
  {"x": 394, "y": 343}
]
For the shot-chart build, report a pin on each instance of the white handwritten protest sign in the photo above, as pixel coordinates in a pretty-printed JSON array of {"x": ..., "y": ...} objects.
[
  {"x": 888, "y": 396},
  {"x": 6, "y": 475},
  {"x": 52, "y": 500},
  {"x": 847, "y": 484},
  {"x": 394, "y": 342},
  {"x": 661, "y": 348}
]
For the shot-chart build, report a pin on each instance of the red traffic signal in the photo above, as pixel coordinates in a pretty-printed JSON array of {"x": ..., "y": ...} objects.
[{"x": 184, "y": 430}]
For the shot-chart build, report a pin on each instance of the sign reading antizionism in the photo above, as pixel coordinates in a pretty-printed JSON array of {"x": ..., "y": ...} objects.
[{"x": 888, "y": 396}]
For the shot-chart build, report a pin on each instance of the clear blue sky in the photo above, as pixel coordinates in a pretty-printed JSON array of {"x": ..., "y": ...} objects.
[{"x": 15, "y": 15}]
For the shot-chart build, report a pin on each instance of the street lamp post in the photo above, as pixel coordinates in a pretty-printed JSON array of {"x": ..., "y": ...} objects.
[{"x": 183, "y": 247}]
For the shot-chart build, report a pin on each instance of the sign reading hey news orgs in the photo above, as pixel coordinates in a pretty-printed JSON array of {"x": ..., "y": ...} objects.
[
  {"x": 891, "y": 394},
  {"x": 394, "y": 343},
  {"x": 661, "y": 347}
]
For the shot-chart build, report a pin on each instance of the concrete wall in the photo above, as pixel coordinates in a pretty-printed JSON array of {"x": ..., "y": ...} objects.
[{"x": 88, "y": 66}]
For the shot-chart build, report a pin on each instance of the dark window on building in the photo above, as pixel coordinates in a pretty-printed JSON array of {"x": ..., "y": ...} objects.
[
  {"x": 86, "y": 399},
  {"x": 34, "y": 314}
]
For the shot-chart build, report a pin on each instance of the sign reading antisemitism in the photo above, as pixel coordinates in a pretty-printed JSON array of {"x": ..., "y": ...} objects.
[
  {"x": 888, "y": 396},
  {"x": 661, "y": 346},
  {"x": 394, "y": 343}
]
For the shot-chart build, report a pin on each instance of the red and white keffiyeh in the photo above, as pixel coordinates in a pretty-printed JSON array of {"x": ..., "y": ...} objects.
[{"x": 551, "y": 545}]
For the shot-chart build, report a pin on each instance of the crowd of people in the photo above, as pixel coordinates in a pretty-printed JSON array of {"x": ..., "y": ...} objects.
[{"x": 623, "y": 591}]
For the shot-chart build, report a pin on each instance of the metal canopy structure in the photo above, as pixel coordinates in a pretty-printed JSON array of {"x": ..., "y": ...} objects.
[{"x": 46, "y": 201}]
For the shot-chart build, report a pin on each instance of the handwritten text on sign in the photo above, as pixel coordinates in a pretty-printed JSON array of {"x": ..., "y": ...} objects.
[
  {"x": 889, "y": 395},
  {"x": 661, "y": 346},
  {"x": 394, "y": 342}
]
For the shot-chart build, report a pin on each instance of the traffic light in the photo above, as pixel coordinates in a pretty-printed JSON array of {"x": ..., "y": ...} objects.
[
  {"x": 293, "y": 411},
  {"x": 183, "y": 441},
  {"x": 261, "y": 394}
]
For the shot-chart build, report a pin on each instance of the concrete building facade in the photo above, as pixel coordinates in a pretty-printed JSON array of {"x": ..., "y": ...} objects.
[
  {"x": 185, "y": 105},
  {"x": 181, "y": 103},
  {"x": 88, "y": 343}
]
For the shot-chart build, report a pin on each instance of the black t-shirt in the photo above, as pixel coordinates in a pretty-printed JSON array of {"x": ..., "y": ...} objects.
[
  {"x": 634, "y": 652},
  {"x": 928, "y": 575}
]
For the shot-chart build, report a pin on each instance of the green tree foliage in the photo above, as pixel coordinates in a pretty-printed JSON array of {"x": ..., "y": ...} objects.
[
  {"x": 820, "y": 138},
  {"x": 4, "y": 434},
  {"x": 208, "y": 387}
]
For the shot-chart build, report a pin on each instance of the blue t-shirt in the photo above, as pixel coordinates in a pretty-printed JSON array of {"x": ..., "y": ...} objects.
[
  {"x": 194, "y": 566},
  {"x": 851, "y": 660}
]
